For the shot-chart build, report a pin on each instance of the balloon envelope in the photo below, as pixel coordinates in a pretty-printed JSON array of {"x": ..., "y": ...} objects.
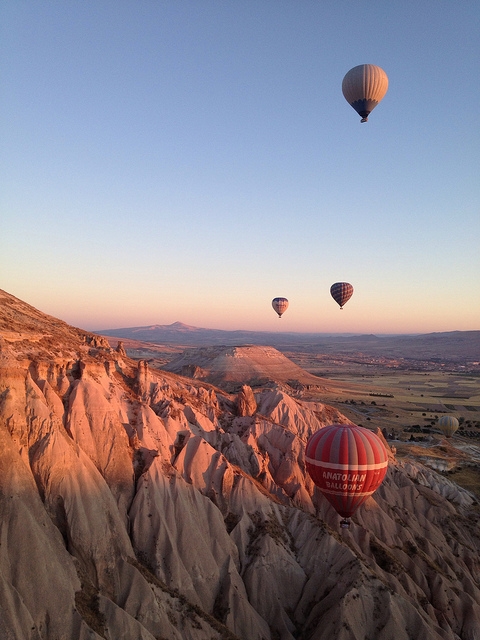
[
  {"x": 347, "y": 463},
  {"x": 341, "y": 292},
  {"x": 280, "y": 305},
  {"x": 363, "y": 87},
  {"x": 448, "y": 424}
]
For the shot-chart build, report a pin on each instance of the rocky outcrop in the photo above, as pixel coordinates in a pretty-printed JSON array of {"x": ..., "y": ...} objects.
[
  {"x": 145, "y": 505},
  {"x": 232, "y": 367},
  {"x": 245, "y": 402},
  {"x": 120, "y": 349}
]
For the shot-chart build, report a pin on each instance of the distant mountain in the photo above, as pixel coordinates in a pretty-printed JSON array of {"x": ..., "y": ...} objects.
[
  {"x": 454, "y": 346},
  {"x": 179, "y": 333},
  {"x": 449, "y": 345}
]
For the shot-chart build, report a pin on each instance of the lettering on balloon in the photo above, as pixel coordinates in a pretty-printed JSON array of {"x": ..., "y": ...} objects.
[{"x": 344, "y": 481}]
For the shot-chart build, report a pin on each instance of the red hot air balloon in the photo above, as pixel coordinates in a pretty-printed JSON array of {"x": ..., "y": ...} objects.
[
  {"x": 280, "y": 305},
  {"x": 341, "y": 292},
  {"x": 347, "y": 463}
]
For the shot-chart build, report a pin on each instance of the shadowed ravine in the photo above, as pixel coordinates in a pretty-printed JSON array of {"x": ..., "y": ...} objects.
[{"x": 144, "y": 505}]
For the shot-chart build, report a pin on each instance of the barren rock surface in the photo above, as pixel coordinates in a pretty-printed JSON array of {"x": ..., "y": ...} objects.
[
  {"x": 144, "y": 505},
  {"x": 230, "y": 367}
]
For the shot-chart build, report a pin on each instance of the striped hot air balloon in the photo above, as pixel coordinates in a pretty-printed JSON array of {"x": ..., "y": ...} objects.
[
  {"x": 341, "y": 292},
  {"x": 347, "y": 463},
  {"x": 363, "y": 87},
  {"x": 280, "y": 305},
  {"x": 448, "y": 424}
]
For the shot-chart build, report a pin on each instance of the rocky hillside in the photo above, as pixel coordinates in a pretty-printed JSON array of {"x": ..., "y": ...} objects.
[
  {"x": 231, "y": 367},
  {"x": 138, "y": 504}
]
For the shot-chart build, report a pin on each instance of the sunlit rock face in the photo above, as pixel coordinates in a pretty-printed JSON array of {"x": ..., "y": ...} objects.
[
  {"x": 143, "y": 505},
  {"x": 245, "y": 402},
  {"x": 232, "y": 367}
]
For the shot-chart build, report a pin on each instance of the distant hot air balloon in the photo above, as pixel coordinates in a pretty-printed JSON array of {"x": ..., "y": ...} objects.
[
  {"x": 448, "y": 424},
  {"x": 363, "y": 87},
  {"x": 347, "y": 463},
  {"x": 280, "y": 305},
  {"x": 341, "y": 292}
]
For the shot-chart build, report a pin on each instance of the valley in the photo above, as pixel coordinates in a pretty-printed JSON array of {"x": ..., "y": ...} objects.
[
  {"x": 397, "y": 398},
  {"x": 385, "y": 391},
  {"x": 401, "y": 397}
]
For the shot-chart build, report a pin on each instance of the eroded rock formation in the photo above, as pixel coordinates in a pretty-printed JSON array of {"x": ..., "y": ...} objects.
[
  {"x": 246, "y": 403},
  {"x": 143, "y": 505}
]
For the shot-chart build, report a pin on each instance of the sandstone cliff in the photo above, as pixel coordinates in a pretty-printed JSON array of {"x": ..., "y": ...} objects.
[{"x": 138, "y": 504}]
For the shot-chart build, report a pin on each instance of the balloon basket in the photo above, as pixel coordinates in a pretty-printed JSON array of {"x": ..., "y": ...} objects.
[{"x": 345, "y": 523}]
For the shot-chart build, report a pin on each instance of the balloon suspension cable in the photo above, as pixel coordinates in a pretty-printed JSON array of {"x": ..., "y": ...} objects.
[{"x": 345, "y": 523}]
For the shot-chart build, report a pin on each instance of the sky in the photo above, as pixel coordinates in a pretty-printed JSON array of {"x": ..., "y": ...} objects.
[{"x": 190, "y": 160}]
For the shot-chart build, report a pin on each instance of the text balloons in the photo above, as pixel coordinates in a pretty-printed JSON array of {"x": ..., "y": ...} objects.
[
  {"x": 363, "y": 87},
  {"x": 280, "y": 305},
  {"x": 347, "y": 463},
  {"x": 341, "y": 292}
]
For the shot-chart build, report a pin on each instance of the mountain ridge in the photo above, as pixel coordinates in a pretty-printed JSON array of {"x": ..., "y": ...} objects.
[
  {"x": 181, "y": 325},
  {"x": 453, "y": 345}
]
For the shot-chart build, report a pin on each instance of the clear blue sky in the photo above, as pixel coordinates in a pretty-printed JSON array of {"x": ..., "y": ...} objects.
[{"x": 177, "y": 160}]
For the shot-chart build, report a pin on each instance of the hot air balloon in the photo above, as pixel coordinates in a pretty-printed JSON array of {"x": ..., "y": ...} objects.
[
  {"x": 363, "y": 87},
  {"x": 341, "y": 292},
  {"x": 280, "y": 305},
  {"x": 448, "y": 424},
  {"x": 347, "y": 463}
]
